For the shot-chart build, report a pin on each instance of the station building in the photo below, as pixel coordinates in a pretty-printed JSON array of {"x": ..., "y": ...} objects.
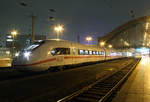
[
  {"x": 2, "y": 40},
  {"x": 134, "y": 34}
]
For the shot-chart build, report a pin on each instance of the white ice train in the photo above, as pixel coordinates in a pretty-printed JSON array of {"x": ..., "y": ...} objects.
[{"x": 43, "y": 55}]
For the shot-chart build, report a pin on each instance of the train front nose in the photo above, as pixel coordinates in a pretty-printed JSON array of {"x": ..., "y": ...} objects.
[
  {"x": 21, "y": 62},
  {"x": 27, "y": 58}
]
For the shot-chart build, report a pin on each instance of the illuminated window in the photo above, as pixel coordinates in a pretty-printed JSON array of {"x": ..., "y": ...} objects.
[
  {"x": 53, "y": 52},
  {"x": 60, "y": 51},
  {"x": 94, "y": 52},
  {"x": 90, "y": 52},
  {"x": 9, "y": 36},
  {"x": 102, "y": 52},
  {"x": 86, "y": 52},
  {"x": 81, "y": 52},
  {"x": 9, "y": 40}
]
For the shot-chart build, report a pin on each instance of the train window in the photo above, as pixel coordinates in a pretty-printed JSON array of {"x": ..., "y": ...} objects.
[
  {"x": 94, "y": 53},
  {"x": 102, "y": 52},
  {"x": 53, "y": 52},
  {"x": 81, "y": 52},
  {"x": 97, "y": 52},
  {"x": 34, "y": 46},
  {"x": 86, "y": 52},
  {"x": 90, "y": 52},
  {"x": 60, "y": 51}
]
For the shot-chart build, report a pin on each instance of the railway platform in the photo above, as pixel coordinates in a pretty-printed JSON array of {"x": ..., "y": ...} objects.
[
  {"x": 5, "y": 62},
  {"x": 137, "y": 86}
]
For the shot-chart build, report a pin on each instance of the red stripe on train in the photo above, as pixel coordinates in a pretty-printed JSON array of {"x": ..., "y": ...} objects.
[
  {"x": 44, "y": 61},
  {"x": 53, "y": 59},
  {"x": 67, "y": 57}
]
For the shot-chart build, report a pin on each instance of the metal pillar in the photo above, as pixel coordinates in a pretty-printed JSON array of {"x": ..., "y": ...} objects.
[{"x": 33, "y": 23}]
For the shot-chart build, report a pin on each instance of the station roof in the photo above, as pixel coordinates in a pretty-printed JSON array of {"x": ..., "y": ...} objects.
[{"x": 117, "y": 33}]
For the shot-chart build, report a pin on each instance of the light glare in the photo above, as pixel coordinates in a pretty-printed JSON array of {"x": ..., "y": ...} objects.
[
  {"x": 17, "y": 54},
  {"x": 110, "y": 46},
  {"x": 59, "y": 28},
  {"x": 89, "y": 38},
  {"x": 102, "y": 43},
  {"x": 27, "y": 54},
  {"x": 14, "y": 33}
]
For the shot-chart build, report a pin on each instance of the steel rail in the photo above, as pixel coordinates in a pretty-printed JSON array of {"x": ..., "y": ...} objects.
[
  {"x": 115, "y": 87},
  {"x": 108, "y": 94}
]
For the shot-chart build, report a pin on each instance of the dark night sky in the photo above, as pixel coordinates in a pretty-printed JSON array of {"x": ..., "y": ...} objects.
[{"x": 79, "y": 17}]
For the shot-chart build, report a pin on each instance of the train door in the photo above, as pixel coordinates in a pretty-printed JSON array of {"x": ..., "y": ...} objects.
[
  {"x": 67, "y": 56},
  {"x": 74, "y": 53},
  {"x": 60, "y": 54}
]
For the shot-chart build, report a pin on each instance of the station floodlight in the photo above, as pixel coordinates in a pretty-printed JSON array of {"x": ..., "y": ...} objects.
[
  {"x": 110, "y": 46},
  {"x": 102, "y": 43}
]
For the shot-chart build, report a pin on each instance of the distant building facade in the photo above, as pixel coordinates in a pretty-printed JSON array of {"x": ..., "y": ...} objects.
[
  {"x": 2, "y": 40},
  {"x": 4, "y": 52},
  {"x": 21, "y": 41},
  {"x": 7, "y": 43}
]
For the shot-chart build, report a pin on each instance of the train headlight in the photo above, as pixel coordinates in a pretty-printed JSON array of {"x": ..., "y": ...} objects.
[{"x": 27, "y": 54}]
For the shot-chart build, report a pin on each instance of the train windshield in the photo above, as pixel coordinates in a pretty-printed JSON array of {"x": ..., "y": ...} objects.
[{"x": 34, "y": 46}]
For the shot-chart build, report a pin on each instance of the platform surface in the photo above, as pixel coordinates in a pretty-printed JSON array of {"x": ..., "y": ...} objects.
[{"x": 137, "y": 87}]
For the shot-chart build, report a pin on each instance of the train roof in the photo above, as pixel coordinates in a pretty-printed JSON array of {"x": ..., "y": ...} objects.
[{"x": 71, "y": 42}]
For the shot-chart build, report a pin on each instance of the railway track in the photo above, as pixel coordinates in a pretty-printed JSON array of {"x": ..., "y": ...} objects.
[{"x": 101, "y": 90}]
